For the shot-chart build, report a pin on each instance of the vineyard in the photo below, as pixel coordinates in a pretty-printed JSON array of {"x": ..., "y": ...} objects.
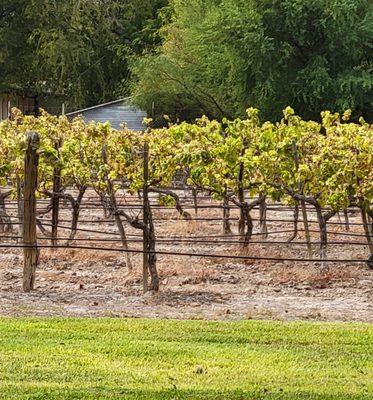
[{"x": 230, "y": 206}]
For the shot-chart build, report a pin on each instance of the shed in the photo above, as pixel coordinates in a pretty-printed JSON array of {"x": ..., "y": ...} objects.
[
  {"x": 116, "y": 113},
  {"x": 28, "y": 105}
]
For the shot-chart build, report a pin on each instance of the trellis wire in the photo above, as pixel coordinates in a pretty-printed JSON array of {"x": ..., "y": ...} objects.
[{"x": 186, "y": 254}]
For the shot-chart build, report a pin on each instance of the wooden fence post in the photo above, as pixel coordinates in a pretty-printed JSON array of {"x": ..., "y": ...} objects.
[
  {"x": 29, "y": 212},
  {"x": 145, "y": 267}
]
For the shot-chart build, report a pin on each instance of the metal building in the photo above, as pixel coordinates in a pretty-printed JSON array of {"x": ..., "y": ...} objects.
[{"x": 116, "y": 112}]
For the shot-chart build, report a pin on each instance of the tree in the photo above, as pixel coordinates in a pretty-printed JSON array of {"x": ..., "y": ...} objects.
[
  {"x": 220, "y": 56},
  {"x": 76, "y": 50}
]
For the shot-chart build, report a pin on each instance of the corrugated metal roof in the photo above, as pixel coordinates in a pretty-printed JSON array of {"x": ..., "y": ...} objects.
[{"x": 116, "y": 112}]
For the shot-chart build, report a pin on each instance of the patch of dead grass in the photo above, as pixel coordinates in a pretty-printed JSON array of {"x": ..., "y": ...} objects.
[{"x": 311, "y": 276}]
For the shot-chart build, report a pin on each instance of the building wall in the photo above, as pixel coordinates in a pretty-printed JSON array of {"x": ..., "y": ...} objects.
[
  {"x": 116, "y": 114},
  {"x": 4, "y": 112},
  {"x": 26, "y": 104}
]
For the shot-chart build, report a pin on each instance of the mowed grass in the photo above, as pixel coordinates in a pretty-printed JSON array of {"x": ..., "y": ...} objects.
[{"x": 162, "y": 359}]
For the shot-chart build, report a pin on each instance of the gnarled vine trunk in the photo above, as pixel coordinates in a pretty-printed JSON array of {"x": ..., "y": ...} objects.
[
  {"x": 263, "y": 216},
  {"x": 20, "y": 206},
  {"x": 367, "y": 229},
  {"x": 226, "y": 215},
  {"x": 322, "y": 221},
  {"x": 5, "y": 220},
  {"x": 295, "y": 219},
  {"x": 114, "y": 211}
]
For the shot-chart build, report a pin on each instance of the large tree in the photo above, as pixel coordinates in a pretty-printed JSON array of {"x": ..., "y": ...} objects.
[
  {"x": 220, "y": 56},
  {"x": 75, "y": 49}
]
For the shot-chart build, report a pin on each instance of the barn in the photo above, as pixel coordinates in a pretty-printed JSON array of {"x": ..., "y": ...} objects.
[{"x": 116, "y": 112}]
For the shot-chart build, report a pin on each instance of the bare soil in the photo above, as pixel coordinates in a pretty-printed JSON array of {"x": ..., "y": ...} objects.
[{"x": 92, "y": 283}]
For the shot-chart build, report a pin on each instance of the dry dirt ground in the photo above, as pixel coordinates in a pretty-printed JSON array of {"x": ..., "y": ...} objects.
[{"x": 98, "y": 284}]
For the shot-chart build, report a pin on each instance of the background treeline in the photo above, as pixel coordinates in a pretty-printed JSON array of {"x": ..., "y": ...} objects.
[
  {"x": 194, "y": 57},
  {"x": 76, "y": 50}
]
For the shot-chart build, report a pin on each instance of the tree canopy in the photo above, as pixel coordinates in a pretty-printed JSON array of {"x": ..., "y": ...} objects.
[
  {"x": 217, "y": 57},
  {"x": 195, "y": 57},
  {"x": 75, "y": 49}
]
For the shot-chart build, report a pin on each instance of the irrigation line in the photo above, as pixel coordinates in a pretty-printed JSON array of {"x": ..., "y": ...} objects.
[{"x": 186, "y": 254}]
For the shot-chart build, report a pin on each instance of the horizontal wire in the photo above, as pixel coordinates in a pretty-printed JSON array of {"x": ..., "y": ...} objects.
[
  {"x": 155, "y": 219},
  {"x": 186, "y": 254},
  {"x": 191, "y": 241},
  {"x": 116, "y": 233}
]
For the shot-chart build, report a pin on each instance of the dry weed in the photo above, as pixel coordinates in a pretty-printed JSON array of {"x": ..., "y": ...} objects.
[{"x": 311, "y": 276}]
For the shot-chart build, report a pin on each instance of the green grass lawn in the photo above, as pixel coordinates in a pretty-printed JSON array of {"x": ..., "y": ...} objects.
[{"x": 160, "y": 359}]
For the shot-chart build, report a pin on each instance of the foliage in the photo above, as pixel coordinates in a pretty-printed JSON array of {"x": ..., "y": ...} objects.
[
  {"x": 77, "y": 50},
  {"x": 327, "y": 165},
  {"x": 219, "y": 56},
  {"x": 335, "y": 160}
]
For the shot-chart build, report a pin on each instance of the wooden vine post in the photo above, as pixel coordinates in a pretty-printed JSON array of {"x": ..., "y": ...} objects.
[
  {"x": 30, "y": 250},
  {"x": 56, "y": 198},
  {"x": 241, "y": 194},
  {"x": 145, "y": 266},
  {"x": 226, "y": 213},
  {"x": 149, "y": 254}
]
